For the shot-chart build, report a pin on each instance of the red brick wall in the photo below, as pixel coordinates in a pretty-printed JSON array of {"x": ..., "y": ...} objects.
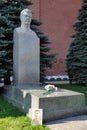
[
  {"x": 35, "y": 9},
  {"x": 58, "y": 17}
]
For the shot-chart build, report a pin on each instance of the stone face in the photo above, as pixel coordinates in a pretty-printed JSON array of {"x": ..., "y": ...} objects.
[
  {"x": 25, "y": 17},
  {"x": 26, "y": 57}
]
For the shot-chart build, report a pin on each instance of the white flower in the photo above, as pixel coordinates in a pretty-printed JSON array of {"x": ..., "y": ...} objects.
[{"x": 51, "y": 87}]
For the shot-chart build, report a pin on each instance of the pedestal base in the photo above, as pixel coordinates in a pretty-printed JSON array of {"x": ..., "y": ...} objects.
[{"x": 57, "y": 105}]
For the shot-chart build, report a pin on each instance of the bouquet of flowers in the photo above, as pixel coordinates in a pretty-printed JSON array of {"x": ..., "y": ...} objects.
[{"x": 49, "y": 89}]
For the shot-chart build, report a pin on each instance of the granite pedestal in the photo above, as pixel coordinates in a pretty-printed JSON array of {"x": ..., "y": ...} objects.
[
  {"x": 57, "y": 105},
  {"x": 26, "y": 59}
]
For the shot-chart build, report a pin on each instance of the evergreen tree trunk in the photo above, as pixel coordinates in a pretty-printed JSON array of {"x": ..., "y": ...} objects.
[{"x": 7, "y": 80}]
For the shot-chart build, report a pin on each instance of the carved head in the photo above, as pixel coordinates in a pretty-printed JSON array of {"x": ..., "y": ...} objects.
[{"x": 26, "y": 16}]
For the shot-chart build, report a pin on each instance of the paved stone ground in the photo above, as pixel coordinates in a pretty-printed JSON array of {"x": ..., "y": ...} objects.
[{"x": 72, "y": 123}]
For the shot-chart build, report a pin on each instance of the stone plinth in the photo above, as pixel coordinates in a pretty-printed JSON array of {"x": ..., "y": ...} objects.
[
  {"x": 26, "y": 57},
  {"x": 57, "y": 105}
]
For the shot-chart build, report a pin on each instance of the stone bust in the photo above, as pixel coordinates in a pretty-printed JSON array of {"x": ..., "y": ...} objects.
[
  {"x": 26, "y": 45},
  {"x": 25, "y": 17}
]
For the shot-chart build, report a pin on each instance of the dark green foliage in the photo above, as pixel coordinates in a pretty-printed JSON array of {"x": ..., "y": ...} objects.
[
  {"x": 77, "y": 56},
  {"x": 9, "y": 19}
]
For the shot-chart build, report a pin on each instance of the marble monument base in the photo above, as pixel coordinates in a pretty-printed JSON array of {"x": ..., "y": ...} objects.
[{"x": 58, "y": 105}]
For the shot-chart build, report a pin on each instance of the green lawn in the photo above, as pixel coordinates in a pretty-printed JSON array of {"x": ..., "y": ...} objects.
[
  {"x": 77, "y": 88},
  {"x": 12, "y": 119}
]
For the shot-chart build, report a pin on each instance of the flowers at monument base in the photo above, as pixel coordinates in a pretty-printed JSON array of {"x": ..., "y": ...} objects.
[{"x": 50, "y": 88}]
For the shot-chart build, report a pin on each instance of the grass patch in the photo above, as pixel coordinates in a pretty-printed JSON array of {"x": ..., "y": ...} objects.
[
  {"x": 77, "y": 88},
  {"x": 13, "y": 119}
]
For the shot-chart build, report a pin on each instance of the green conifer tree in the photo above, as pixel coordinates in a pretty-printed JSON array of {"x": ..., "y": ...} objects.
[
  {"x": 77, "y": 56},
  {"x": 9, "y": 19}
]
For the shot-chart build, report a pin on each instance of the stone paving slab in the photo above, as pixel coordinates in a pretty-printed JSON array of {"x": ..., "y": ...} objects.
[{"x": 72, "y": 123}]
